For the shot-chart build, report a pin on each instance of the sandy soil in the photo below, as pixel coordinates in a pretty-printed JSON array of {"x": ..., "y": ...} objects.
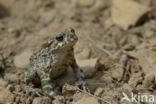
[{"x": 125, "y": 50}]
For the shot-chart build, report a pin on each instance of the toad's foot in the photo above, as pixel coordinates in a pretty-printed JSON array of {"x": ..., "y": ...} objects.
[
  {"x": 37, "y": 91},
  {"x": 83, "y": 85}
]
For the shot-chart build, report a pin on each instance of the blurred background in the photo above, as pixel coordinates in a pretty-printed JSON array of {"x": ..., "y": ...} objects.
[{"x": 109, "y": 31}]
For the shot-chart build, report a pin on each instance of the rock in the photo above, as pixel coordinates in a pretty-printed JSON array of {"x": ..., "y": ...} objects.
[
  {"x": 22, "y": 60},
  {"x": 117, "y": 72},
  {"x": 98, "y": 91},
  {"x": 146, "y": 57},
  {"x": 59, "y": 100},
  {"x": 85, "y": 3},
  {"x": 41, "y": 100},
  {"x": 126, "y": 13},
  {"x": 3, "y": 83},
  {"x": 46, "y": 19},
  {"x": 106, "y": 78},
  {"x": 11, "y": 87},
  {"x": 149, "y": 80},
  {"x": 37, "y": 100},
  {"x": 147, "y": 60},
  {"x": 89, "y": 66},
  {"x": 29, "y": 100},
  {"x": 87, "y": 100},
  {"x": 12, "y": 77},
  {"x": 17, "y": 99},
  {"x": 84, "y": 54},
  {"x": 5, "y": 96},
  {"x": 108, "y": 23},
  {"x": 18, "y": 88},
  {"x": 69, "y": 88}
]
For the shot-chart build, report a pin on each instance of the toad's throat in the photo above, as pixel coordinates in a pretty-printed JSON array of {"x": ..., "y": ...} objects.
[{"x": 56, "y": 72}]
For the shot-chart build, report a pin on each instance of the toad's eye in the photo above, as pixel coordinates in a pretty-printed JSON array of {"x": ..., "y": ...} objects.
[
  {"x": 72, "y": 30},
  {"x": 60, "y": 37}
]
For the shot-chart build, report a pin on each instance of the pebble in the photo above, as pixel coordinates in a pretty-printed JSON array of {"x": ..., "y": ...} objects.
[
  {"x": 87, "y": 100},
  {"x": 149, "y": 80},
  {"x": 5, "y": 96},
  {"x": 41, "y": 100},
  {"x": 3, "y": 83},
  {"x": 11, "y": 87},
  {"x": 12, "y": 77},
  {"x": 22, "y": 60},
  {"x": 98, "y": 91},
  {"x": 84, "y": 54},
  {"x": 85, "y": 3},
  {"x": 117, "y": 73},
  {"x": 122, "y": 8},
  {"x": 89, "y": 66},
  {"x": 37, "y": 100},
  {"x": 59, "y": 100}
]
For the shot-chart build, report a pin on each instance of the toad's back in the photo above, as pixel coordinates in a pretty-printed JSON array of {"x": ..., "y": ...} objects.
[{"x": 51, "y": 62}]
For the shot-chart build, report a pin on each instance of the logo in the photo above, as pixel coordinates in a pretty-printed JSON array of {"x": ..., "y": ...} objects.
[{"x": 138, "y": 98}]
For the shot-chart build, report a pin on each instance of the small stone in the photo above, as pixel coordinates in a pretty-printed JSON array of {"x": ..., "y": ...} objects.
[
  {"x": 12, "y": 77},
  {"x": 117, "y": 72},
  {"x": 3, "y": 83},
  {"x": 11, "y": 87},
  {"x": 129, "y": 47},
  {"x": 22, "y": 60},
  {"x": 106, "y": 78},
  {"x": 5, "y": 96},
  {"x": 149, "y": 80},
  {"x": 84, "y": 54},
  {"x": 98, "y": 91},
  {"x": 69, "y": 88},
  {"x": 46, "y": 19},
  {"x": 28, "y": 100},
  {"x": 126, "y": 13},
  {"x": 59, "y": 100},
  {"x": 37, "y": 100},
  {"x": 108, "y": 23},
  {"x": 87, "y": 100},
  {"x": 17, "y": 100},
  {"x": 89, "y": 66},
  {"x": 18, "y": 88},
  {"x": 85, "y": 3}
]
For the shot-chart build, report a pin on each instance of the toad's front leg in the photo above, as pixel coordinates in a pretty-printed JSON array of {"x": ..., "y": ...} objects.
[
  {"x": 46, "y": 83},
  {"x": 80, "y": 76}
]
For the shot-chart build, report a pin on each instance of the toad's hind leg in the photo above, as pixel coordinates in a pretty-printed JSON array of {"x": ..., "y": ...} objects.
[
  {"x": 27, "y": 82},
  {"x": 46, "y": 83}
]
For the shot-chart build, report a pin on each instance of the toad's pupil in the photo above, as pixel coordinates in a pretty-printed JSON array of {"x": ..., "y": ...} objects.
[
  {"x": 72, "y": 30},
  {"x": 59, "y": 38}
]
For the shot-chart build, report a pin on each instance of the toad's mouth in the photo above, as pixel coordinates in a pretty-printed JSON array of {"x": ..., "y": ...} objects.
[{"x": 68, "y": 45}]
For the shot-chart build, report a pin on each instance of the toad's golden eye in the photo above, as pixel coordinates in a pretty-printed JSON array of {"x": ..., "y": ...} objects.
[{"x": 60, "y": 37}]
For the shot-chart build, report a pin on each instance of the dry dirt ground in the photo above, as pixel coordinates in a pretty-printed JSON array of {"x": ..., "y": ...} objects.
[{"x": 119, "y": 35}]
